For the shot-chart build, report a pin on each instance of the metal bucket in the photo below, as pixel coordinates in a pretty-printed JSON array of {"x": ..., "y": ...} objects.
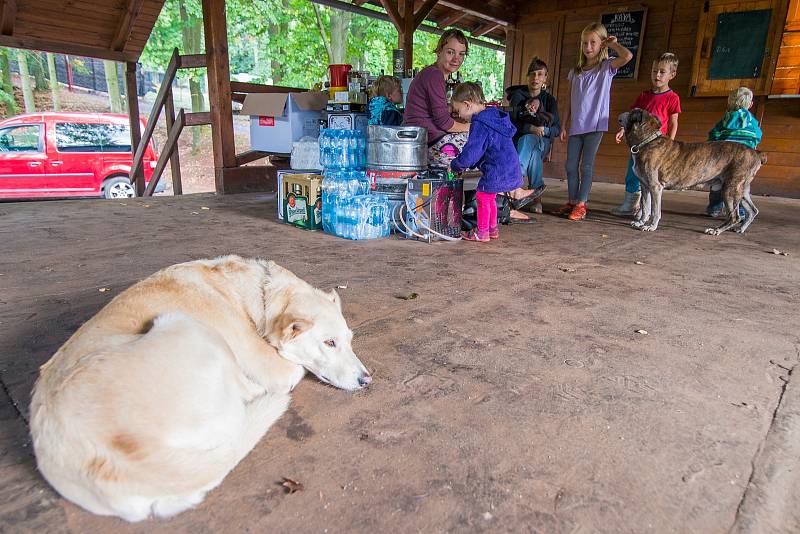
[{"x": 397, "y": 148}]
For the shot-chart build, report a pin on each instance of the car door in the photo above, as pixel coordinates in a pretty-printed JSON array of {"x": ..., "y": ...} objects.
[
  {"x": 23, "y": 169},
  {"x": 77, "y": 158}
]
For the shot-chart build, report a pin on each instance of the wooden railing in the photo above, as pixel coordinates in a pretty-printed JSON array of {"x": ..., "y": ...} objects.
[
  {"x": 176, "y": 123},
  {"x": 165, "y": 101}
]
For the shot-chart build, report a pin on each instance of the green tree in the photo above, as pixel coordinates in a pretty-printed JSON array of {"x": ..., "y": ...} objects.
[
  {"x": 112, "y": 84},
  {"x": 51, "y": 69},
  {"x": 25, "y": 81},
  {"x": 6, "y": 87}
]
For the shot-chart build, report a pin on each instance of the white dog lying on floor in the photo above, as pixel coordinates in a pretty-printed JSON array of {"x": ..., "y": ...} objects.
[{"x": 154, "y": 400}]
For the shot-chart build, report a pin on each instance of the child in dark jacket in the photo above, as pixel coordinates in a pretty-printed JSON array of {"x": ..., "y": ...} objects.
[{"x": 491, "y": 148}]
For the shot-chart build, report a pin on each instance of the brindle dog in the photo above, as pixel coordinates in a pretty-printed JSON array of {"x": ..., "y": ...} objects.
[{"x": 661, "y": 163}]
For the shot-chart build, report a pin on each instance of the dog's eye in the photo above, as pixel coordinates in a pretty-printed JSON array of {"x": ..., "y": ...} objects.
[{"x": 331, "y": 343}]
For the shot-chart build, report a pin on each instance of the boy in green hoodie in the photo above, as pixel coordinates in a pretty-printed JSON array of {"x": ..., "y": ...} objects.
[{"x": 738, "y": 126}]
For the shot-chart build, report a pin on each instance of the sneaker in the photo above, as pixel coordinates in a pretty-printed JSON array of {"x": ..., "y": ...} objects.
[
  {"x": 564, "y": 209},
  {"x": 578, "y": 213},
  {"x": 473, "y": 235},
  {"x": 494, "y": 232}
]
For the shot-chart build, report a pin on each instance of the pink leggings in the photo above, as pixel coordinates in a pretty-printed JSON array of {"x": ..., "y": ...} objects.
[{"x": 487, "y": 212}]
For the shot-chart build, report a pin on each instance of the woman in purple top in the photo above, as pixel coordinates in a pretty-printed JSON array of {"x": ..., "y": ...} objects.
[
  {"x": 590, "y": 93},
  {"x": 426, "y": 102}
]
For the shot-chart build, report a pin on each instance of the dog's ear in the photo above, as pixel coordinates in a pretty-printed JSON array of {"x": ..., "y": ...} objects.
[
  {"x": 653, "y": 122},
  {"x": 287, "y": 327},
  {"x": 334, "y": 296}
]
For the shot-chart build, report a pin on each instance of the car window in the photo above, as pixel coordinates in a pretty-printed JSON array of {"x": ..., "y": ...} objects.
[
  {"x": 82, "y": 137},
  {"x": 21, "y": 139}
]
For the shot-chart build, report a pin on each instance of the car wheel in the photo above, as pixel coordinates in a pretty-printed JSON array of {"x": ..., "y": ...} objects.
[{"x": 118, "y": 187}]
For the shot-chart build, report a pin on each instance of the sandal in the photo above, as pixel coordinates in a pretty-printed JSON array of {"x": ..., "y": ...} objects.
[{"x": 564, "y": 209}]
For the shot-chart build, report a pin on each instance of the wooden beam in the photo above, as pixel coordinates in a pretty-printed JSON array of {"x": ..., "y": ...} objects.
[
  {"x": 192, "y": 61},
  {"x": 8, "y": 16},
  {"x": 249, "y": 156},
  {"x": 125, "y": 27},
  {"x": 174, "y": 158},
  {"x": 406, "y": 36},
  {"x": 480, "y": 9},
  {"x": 131, "y": 91},
  {"x": 483, "y": 29},
  {"x": 451, "y": 19},
  {"x": 246, "y": 87},
  {"x": 199, "y": 118},
  {"x": 219, "y": 88},
  {"x": 59, "y": 47},
  {"x": 394, "y": 15},
  {"x": 166, "y": 153},
  {"x": 248, "y": 179},
  {"x": 360, "y": 2},
  {"x": 158, "y": 103},
  {"x": 423, "y": 12}
]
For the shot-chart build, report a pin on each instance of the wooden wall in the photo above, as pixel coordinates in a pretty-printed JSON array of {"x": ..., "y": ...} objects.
[{"x": 671, "y": 26}]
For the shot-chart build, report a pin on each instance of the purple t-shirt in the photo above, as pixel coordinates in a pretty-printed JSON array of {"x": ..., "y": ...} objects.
[
  {"x": 590, "y": 94},
  {"x": 426, "y": 103}
]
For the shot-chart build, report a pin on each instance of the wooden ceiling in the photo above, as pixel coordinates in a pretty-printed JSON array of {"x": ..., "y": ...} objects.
[
  {"x": 107, "y": 29},
  {"x": 119, "y": 29}
]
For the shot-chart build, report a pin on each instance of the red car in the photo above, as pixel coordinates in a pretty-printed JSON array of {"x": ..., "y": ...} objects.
[{"x": 69, "y": 154}]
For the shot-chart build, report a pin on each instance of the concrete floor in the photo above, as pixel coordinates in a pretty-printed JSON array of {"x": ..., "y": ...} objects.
[{"x": 513, "y": 395}]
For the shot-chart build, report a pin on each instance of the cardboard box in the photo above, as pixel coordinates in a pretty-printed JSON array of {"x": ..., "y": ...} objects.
[
  {"x": 301, "y": 196},
  {"x": 279, "y": 119}
]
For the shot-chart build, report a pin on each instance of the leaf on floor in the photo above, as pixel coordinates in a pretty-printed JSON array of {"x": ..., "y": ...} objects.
[
  {"x": 292, "y": 485},
  {"x": 565, "y": 269},
  {"x": 779, "y": 252},
  {"x": 410, "y": 296},
  {"x": 643, "y": 332}
]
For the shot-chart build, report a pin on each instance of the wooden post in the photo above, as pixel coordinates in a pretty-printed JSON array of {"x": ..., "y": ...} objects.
[
  {"x": 219, "y": 89},
  {"x": 406, "y": 37},
  {"x": 174, "y": 159},
  {"x": 132, "y": 92}
]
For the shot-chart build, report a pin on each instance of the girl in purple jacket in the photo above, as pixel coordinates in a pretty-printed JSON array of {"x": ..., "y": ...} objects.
[{"x": 491, "y": 148}]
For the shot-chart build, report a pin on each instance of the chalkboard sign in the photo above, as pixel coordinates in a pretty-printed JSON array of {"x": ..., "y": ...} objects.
[
  {"x": 628, "y": 27},
  {"x": 739, "y": 45}
]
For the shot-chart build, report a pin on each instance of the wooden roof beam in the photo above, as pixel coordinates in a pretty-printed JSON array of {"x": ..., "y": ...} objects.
[
  {"x": 394, "y": 15},
  {"x": 480, "y": 9},
  {"x": 451, "y": 19},
  {"x": 34, "y": 43},
  {"x": 360, "y": 2},
  {"x": 125, "y": 27},
  {"x": 423, "y": 11},
  {"x": 483, "y": 29},
  {"x": 8, "y": 16}
]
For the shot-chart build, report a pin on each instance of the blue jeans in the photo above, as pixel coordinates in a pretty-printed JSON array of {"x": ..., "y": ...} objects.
[
  {"x": 632, "y": 183},
  {"x": 581, "y": 151},
  {"x": 531, "y": 150}
]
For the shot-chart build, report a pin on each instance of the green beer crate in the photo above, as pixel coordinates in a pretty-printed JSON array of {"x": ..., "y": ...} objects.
[{"x": 302, "y": 200}]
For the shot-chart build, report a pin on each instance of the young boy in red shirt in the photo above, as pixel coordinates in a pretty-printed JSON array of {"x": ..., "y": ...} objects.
[{"x": 665, "y": 104}]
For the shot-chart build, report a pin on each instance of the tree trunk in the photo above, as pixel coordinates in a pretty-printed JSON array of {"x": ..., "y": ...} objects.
[
  {"x": 340, "y": 30},
  {"x": 37, "y": 69},
  {"x": 25, "y": 81},
  {"x": 192, "y": 37},
  {"x": 51, "y": 67},
  {"x": 5, "y": 82},
  {"x": 112, "y": 82}
]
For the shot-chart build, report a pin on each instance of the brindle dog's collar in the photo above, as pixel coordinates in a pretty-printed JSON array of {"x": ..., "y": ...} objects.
[{"x": 652, "y": 137}]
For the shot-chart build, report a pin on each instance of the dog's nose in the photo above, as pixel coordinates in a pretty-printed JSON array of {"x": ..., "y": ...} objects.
[{"x": 364, "y": 379}]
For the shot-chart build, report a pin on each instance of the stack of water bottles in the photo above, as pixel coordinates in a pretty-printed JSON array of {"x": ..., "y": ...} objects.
[{"x": 348, "y": 210}]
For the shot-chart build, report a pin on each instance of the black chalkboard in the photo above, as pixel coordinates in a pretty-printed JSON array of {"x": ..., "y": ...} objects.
[
  {"x": 739, "y": 45},
  {"x": 628, "y": 27}
]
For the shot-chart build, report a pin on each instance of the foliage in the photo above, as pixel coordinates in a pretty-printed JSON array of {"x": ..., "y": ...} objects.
[{"x": 279, "y": 41}]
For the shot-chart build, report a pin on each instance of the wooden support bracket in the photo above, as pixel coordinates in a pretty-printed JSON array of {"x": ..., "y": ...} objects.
[
  {"x": 125, "y": 27},
  {"x": 451, "y": 19},
  {"x": 167, "y": 152}
]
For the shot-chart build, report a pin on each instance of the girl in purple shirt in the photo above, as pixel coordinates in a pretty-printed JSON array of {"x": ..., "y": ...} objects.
[{"x": 587, "y": 114}]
